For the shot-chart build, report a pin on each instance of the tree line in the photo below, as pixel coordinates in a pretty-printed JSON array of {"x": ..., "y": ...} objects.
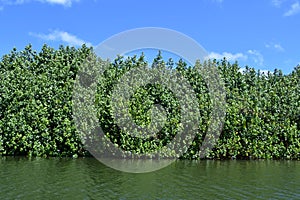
[{"x": 262, "y": 109}]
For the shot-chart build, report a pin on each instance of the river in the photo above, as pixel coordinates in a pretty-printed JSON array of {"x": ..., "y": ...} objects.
[{"x": 87, "y": 178}]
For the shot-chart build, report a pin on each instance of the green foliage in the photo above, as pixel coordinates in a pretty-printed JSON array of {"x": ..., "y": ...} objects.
[
  {"x": 35, "y": 104},
  {"x": 262, "y": 118}
]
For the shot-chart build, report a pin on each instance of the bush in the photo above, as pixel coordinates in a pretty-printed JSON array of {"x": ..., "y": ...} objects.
[{"x": 262, "y": 118}]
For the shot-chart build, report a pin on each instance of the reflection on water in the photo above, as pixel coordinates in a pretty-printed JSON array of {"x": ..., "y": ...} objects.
[{"x": 87, "y": 178}]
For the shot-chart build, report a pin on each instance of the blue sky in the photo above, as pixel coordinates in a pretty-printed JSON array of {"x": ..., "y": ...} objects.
[{"x": 260, "y": 33}]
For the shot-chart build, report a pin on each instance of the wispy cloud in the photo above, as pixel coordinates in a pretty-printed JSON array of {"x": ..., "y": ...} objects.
[
  {"x": 228, "y": 56},
  {"x": 294, "y": 9},
  {"x": 277, "y": 3},
  {"x": 61, "y": 36},
  {"x": 11, "y": 2},
  {"x": 275, "y": 46},
  {"x": 257, "y": 57},
  {"x": 66, "y": 3},
  {"x": 251, "y": 55},
  {"x": 218, "y": 1},
  {"x": 60, "y": 2}
]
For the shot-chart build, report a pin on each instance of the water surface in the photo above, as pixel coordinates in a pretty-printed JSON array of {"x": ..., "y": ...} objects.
[{"x": 87, "y": 178}]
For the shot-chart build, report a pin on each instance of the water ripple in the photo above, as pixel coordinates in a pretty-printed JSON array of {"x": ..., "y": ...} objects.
[{"x": 86, "y": 178}]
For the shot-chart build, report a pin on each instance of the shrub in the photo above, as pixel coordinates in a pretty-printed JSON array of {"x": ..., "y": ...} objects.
[{"x": 262, "y": 118}]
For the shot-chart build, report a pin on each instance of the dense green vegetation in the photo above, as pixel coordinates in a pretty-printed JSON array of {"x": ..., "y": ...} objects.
[{"x": 262, "y": 118}]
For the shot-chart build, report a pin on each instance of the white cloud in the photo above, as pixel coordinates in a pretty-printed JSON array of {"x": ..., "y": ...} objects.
[
  {"x": 242, "y": 70},
  {"x": 276, "y": 47},
  {"x": 60, "y": 2},
  {"x": 66, "y": 3},
  {"x": 265, "y": 71},
  {"x": 262, "y": 71},
  {"x": 256, "y": 56},
  {"x": 250, "y": 56},
  {"x": 228, "y": 56},
  {"x": 277, "y": 3},
  {"x": 295, "y": 9},
  {"x": 62, "y": 36}
]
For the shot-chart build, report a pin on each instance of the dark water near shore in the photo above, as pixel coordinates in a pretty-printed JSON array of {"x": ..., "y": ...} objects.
[{"x": 87, "y": 178}]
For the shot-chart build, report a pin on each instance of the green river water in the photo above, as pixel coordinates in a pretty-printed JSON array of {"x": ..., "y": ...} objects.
[{"x": 87, "y": 178}]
